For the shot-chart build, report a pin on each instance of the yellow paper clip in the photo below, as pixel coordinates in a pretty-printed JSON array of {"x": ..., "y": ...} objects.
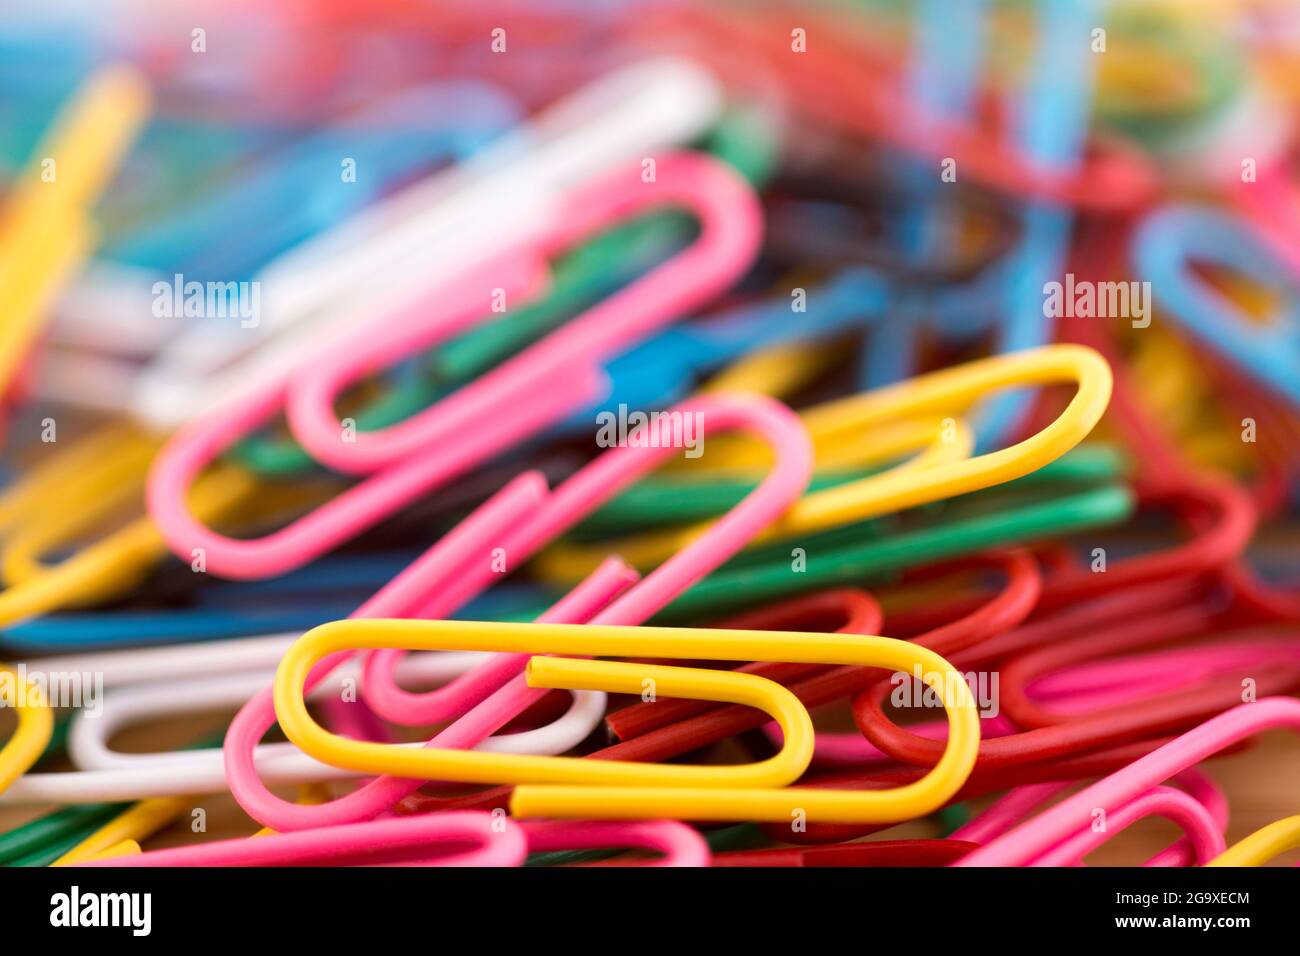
[
  {"x": 133, "y": 824},
  {"x": 125, "y": 848},
  {"x": 35, "y": 726},
  {"x": 83, "y": 488},
  {"x": 45, "y": 232},
  {"x": 1262, "y": 845},
  {"x": 920, "y": 412},
  {"x": 45, "y": 229},
  {"x": 614, "y": 789},
  {"x": 105, "y": 567}
]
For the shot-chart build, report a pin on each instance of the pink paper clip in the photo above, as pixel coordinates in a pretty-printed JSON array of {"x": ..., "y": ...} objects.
[
  {"x": 523, "y": 396},
  {"x": 1014, "y": 806},
  {"x": 435, "y": 840},
  {"x": 679, "y": 844},
  {"x": 1071, "y": 819},
  {"x": 1273, "y": 206},
  {"x": 1203, "y": 834},
  {"x": 730, "y": 228},
  {"x": 494, "y": 693},
  {"x": 430, "y": 840}
]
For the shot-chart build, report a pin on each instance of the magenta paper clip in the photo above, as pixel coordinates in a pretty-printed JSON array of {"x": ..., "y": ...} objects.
[
  {"x": 435, "y": 840},
  {"x": 429, "y": 840},
  {"x": 1273, "y": 207},
  {"x": 1072, "y": 819},
  {"x": 679, "y": 844},
  {"x": 1203, "y": 833},
  {"x": 494, "y": 693},
  {"x": 505, "y": 407},
  {"x": 1204, "y": 823}
]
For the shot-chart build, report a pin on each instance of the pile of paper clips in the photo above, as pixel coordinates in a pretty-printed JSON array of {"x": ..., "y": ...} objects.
[{"x": 520, "y": 416}]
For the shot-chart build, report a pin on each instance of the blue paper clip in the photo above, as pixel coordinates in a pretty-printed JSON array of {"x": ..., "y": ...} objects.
[
  {"x": 1006, "y": 297},
  {"x": 1165, "y": 246},
  {"x": 945, "y": 71}
]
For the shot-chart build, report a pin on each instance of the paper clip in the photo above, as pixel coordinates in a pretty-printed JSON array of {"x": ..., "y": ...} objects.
[
  {"x": 488, "y": 415},
  {"x": 730, "y": 224},
  {"x": 1007, "y": 811},
  {"x": 426, "y": 841},
  {"x": 1164, "y": 248},
  {"x": 1027, "y": 843},
  {"x": 414, "y": 841},
  {"x": 45, "y": 227},
  {"x": 1262, "y": 845},
  {"x": 117, "y": 561},
  {"x": 578, "y": 280},
  {"x": 820, "y": 685},
  {"x": 1204, "y": 836},
  {"x": 630, "y": 789},
  {"x": 1099, "y": 716},
  {"x": 35, "y": 725}
]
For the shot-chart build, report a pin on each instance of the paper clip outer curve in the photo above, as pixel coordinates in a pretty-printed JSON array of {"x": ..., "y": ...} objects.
[
  {"x": 345, "y": 516},
  {"x": 35, "y": 727},
  {"x": 1164, "y": 247}
]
